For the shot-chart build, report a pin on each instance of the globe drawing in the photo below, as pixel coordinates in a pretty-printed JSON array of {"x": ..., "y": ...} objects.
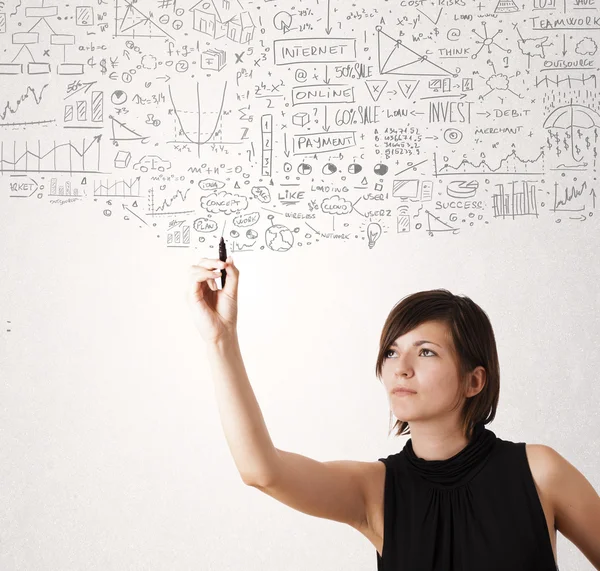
[{"x": 279, "y": 238}]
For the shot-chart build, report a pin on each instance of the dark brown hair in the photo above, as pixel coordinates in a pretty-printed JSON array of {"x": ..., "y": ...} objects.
[{"x": 473, "y": 343}]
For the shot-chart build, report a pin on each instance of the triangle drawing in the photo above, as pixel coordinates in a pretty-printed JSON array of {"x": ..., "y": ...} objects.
[
  {"x": 120, "y": 132},
  {"x": 375, "y": 87},
  {"x": 506, "y": 6},
  {"x": 435, "y": 224},
  {"x": 407, "y": 86},
  {"x": 132, "y": 22},
  {"x": 396, "y": 58}
]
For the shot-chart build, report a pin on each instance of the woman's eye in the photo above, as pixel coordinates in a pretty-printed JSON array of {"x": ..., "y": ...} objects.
[{"x": 423, "y": 349}]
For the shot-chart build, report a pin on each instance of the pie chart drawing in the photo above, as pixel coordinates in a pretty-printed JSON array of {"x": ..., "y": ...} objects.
[
  {"x": 304, "y": 168},
  {"x": 380, "y": 169},
  {"x": 462, "y": 188},
  {"x": 118, "y": 97},
  {"x": 354, "y": 168},
  {"x": 329, "y": 168}
]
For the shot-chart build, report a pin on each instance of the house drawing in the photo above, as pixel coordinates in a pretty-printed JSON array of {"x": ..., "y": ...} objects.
[{"x": 220, "y": 18}]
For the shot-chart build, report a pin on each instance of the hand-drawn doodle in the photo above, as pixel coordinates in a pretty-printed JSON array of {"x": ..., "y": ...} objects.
[
  {"x": 64, "y": 157},
  {"x": 396, "y": 58},
  {"x": 84, "y": 15},
  {"x": 213, "y": 59},
  {"x": 223, "y": 108},
  {"x": 487, "y": 41},
  {"x": 586, "y": 47},
  {"x": 151, "y": 163},
  {"x": 505, "y": 6},
  {"x": 122, "y": 159},
  {"x": 37, "y": 97},
  {"x": 570, "y": 117},
  {"x": 121, "y": 132},
  {"x": 282, "y": 21},
  {"x": 192, "y": 134},
  {"x": 219, "y": 18},
  {"x": 117, "y": 188},
  {"x": 132, "y": 22},
  {"x": 118, "y": 97}
]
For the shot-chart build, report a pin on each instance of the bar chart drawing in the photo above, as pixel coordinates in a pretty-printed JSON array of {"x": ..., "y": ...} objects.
[
  {"x": 62, "y": 190},
  {"x": 515, "y": 199},
  {"x": 178, "y": 234},
  {"x": 83, "y": 110}
]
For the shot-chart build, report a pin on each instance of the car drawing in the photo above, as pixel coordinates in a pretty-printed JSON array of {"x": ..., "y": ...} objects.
[{"x": 152, "y": 162}]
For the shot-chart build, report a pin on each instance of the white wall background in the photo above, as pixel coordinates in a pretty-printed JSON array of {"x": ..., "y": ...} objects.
[{"x": 112, "y": 455}]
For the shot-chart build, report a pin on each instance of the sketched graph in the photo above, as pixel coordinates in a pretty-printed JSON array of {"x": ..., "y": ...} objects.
[
  {"x": 511, "y": 164},
  {"x": 13, "y": 108},
  {"x": 117, "y": 188},
  {"x": 131, "y": 22},
  {"x": 572, "y": 198},
  {"x": 178, "y": 234},
  {"x": 63, "y": 158},
  {"x": 158, "y": 207},
  {"x": 515, "y": 199},
  {"x": 194, "y": 131}
]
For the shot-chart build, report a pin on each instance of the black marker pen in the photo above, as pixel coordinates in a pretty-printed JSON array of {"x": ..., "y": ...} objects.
[{"x": 223, "y": 258}]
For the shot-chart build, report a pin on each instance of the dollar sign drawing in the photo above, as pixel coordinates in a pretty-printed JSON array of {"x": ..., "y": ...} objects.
[{"x": 103, "y": 66}]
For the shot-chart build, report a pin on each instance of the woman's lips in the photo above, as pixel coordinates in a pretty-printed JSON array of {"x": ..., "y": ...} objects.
[{"x": 403, "y": 392}]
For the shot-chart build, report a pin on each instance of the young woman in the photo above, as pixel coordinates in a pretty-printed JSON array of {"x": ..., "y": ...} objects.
[{"x": 456, "y": 497}]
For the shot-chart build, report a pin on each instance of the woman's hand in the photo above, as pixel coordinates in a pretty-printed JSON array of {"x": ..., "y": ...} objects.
[{"x": 214, "y": 311}]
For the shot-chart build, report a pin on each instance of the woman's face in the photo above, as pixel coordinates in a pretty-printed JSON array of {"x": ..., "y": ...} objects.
[{"x": 422, "y": 360}]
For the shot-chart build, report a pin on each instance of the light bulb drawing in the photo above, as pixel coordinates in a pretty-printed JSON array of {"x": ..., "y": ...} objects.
[{"x": 373, "y": 233}]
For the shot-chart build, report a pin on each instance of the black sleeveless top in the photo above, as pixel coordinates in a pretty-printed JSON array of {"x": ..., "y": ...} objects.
[{"x": 476, "y": 511}]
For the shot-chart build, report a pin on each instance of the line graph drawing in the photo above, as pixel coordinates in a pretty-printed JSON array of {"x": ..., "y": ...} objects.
[
  {"x": 214, "y": 130},
  {"x": 511, "y": 164},
  {"x": 131, "y": 22},
  {"x": 30, "y": 90},
  {"x": 182, "y": 194},
  {"x": 396, "y": 58},
  {"x": 119, "y": 188},
  {"x": 64, "y": 157},
  {"x": 154, "y": 210},
  {"x": 567, "y": 197}
]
